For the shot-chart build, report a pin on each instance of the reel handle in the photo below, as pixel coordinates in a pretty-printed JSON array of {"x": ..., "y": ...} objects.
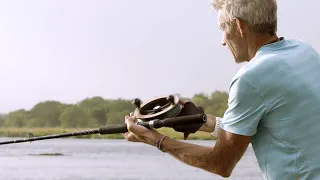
[{"x": 154, "y": 124}]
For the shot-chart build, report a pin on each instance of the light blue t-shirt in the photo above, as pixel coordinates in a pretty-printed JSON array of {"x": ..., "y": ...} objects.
[{"x": 275, "y": 98}]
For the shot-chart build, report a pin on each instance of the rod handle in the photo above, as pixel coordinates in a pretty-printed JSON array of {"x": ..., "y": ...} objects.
[
  {"x": 119, "y": 128},
  {"x": 184, "y": 120},
  {"x": 154, "y": 124},
  {"x": 114, "y": 129}
]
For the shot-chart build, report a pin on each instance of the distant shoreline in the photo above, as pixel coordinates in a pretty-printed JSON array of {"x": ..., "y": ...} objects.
[{"x": 22, "y": 133}]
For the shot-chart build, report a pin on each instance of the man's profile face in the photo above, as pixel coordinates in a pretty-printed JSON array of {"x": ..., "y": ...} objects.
[{"x": 232, "y": 39}]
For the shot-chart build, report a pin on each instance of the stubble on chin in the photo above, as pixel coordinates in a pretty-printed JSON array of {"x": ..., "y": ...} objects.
[
  {"x": 233, "y": 54},
  {"x": 237, "y": 59}
]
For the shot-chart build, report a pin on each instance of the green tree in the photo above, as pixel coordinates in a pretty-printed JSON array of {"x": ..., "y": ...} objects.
[
  {"x": 91, "y": 102},
  {"x": 2, "y": 118},
  {"x": 219, "y": 97},
  {"x": 200, "y": 99},
  {"x": 96, "y": 107},
  {"x": 116, "y": 117},
  {"x": 75, "y": 117},
  {"x": 46, "y": 114},
  {"x": 16, "y": 118},
  {"x": 218, "y": 103},
  {"x": 117, "y": 109}
]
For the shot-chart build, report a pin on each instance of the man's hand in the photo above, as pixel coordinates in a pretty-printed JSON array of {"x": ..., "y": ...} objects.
[{"x": 137, "y": 133}]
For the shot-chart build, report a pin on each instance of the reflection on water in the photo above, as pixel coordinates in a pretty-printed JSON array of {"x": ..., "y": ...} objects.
[{"x": 87, "y": 159}]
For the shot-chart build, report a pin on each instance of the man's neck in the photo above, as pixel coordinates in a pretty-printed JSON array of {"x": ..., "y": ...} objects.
[{"x": 256, "y": 41}]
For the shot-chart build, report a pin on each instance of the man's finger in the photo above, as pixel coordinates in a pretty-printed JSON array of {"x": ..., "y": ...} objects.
[
  {"x": 132, "y": 127},
  {"x": 128, "y": 136},
  {"x": 128, "y": 120},
  {"x": 125, "y": 118}
]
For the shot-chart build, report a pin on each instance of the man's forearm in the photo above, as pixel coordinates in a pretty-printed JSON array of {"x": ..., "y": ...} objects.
[
  {"x": 195, "y": 155},
  {"x": 192, "y": 154}
]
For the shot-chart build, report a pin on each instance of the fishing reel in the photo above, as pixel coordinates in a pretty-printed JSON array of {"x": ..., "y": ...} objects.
[
  {"x": 168, "y": 107},
  {"x": 157, "y": 108}
]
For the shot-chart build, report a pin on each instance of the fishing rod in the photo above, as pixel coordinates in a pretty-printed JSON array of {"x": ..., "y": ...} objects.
[
  {"x": 157, "y": 113},
  {"x": 121, "y": 128}
]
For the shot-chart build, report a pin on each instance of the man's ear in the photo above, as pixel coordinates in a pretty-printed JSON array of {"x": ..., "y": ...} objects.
[{"x": 240, "y": 24}]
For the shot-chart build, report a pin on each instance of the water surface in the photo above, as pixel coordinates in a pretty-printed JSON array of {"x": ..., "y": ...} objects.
[{"x": 93, "y": 159}]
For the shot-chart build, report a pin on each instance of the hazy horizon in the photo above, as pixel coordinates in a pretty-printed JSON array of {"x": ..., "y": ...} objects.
[{"x": 70, "y": 50}]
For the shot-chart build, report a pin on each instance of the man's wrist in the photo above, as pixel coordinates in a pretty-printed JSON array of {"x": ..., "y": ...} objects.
[
  {"x": 159, "y": 142},
  {"x": 152, "y": 137},
  {"x": 209, "y": 125}
]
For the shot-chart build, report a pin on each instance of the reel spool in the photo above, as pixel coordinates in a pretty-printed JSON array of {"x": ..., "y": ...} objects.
[{"x": 158, "y": 108}]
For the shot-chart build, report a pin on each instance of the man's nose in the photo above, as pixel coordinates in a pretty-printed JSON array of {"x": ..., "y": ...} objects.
[{"x": 223, "y": 42}]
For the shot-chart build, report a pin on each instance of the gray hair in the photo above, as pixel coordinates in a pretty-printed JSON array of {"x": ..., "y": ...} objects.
[{"x": 260, "y": 15}]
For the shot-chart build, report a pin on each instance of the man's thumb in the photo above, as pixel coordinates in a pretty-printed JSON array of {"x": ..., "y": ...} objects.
[{"x": 129, "y": 120}]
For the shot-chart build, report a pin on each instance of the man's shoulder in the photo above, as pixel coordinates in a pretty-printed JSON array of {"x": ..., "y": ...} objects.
[{"x": 273, "y": 60}]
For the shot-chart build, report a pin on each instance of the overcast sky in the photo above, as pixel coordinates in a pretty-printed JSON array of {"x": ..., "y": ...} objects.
[{"x": 68, "y": 50}]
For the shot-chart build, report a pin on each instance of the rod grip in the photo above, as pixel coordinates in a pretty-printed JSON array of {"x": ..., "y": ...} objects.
[
  {"x": 184, "y": 120},
  {"x": 168, "y": 122},
  {"x": 114, "y": 129},
  {"x": 119, "y": 128}
]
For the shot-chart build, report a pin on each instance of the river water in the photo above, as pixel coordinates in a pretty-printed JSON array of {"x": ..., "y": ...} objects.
[{"x": 93, "y": 159}]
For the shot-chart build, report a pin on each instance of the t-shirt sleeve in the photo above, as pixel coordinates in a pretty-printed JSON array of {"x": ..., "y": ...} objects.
[{"x": 245, "y": 109}]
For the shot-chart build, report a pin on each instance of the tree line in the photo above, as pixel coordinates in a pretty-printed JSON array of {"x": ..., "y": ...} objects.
[{"x": 94, "y": 112}]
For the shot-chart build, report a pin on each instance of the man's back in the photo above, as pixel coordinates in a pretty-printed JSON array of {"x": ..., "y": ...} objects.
[{"x": 286, "y": 78}]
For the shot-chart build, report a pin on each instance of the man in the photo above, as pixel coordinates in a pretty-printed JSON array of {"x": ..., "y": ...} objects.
[{"x": 274, "y": 101}]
